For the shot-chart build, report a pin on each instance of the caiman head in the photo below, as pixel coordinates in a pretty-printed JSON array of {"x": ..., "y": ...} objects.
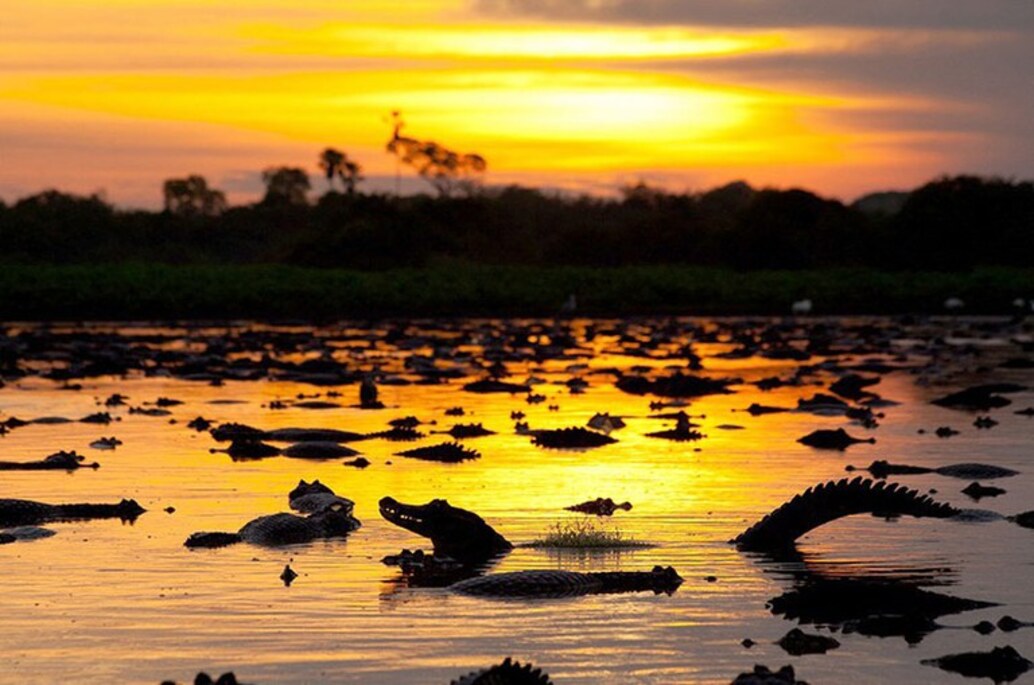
[
  {"x": 315, "y": 496},
  {"x": 312, "y": 488},
  {"x": 335, "y": 519},
  {"x": 129, "y": 510},
  {"x": 665, "y": 579},
  {"x": 455, "y": 532}
]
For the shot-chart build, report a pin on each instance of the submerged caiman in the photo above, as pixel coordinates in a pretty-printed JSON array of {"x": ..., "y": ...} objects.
[
  {"x": 21, "y": 512},
  {"x": 552, "y": 584},
  {"x": 333, "y": 521}
]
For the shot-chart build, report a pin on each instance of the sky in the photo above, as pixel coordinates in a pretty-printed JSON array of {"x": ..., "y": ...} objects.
[{"x": 844, "y": 98}]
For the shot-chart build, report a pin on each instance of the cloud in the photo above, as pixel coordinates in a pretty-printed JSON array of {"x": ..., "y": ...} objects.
[
  {"x": 948, "y": 80},
  {"x": 933, "y": 14}
]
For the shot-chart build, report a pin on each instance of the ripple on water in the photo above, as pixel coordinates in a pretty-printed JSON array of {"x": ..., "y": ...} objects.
[{"x": 105, "y": 602}]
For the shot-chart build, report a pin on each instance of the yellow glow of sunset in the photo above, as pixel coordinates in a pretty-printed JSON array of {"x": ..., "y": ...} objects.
[
  {"x": 538, "y": 99},
  {"x": 520, "y": 42},
  {"x": 565, "y": 119}
]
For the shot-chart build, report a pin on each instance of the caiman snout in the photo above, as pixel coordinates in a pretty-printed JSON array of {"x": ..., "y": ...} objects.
[
  {"x": 389, "y": 507},
  {"x": 129, "y": 509},
  {"x": 669, "y": 578},
  {"x": 398, "y": 513}
]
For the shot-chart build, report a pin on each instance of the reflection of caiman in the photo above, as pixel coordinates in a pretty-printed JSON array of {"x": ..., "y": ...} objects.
[
  {"x": 20, "y": 512},
  {"x": 833, "y": 500},
  {"x": 875, "y": 607},
  {"x": 880, "y": 606},
  {"x": 456, "y": 533}
]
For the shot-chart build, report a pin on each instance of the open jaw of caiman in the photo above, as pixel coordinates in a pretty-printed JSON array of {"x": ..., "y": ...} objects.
[
  {"x": 829, "y": 501},
  {"x": 454, "y": 532}
]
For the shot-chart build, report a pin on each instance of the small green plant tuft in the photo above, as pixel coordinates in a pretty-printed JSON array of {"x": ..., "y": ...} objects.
[{"x": 584, "y": 534}]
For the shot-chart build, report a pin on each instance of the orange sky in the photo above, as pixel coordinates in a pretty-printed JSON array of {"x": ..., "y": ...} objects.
[{"x": 588, "y": 94}]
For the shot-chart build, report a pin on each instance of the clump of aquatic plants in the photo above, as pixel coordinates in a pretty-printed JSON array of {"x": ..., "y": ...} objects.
[{"x": 585, "y": 534}]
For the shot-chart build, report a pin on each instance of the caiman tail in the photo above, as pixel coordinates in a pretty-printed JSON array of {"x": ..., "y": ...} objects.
[
  {"x": 556, "y": 584},
  {"x": 211, "y": 540},
  {"x": 827, "y": 502}
]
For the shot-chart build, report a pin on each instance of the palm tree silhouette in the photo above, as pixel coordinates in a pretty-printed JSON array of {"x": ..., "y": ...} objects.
[{"x": 336, "y": 164}]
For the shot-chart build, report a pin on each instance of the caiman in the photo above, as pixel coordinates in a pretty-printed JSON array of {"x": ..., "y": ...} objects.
[
  {"x": 551, "y": 584},
  {"x": 276, "y": 530},
  {"x": 20, "y": 512},
  {"x": 456, "y": 533},
  {"x": 827, "y": 502}
]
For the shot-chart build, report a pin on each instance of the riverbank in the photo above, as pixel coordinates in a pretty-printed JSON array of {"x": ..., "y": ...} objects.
[{"x": 158, "y": 291}]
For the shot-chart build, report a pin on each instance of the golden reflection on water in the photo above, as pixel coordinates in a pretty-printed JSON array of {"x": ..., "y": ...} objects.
[{"x": 109, "y": 602}]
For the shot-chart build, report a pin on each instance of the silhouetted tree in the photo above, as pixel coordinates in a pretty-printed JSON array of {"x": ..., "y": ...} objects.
[
  {"x": 951, "y": 223},
  {"x": 959, "y": 222},
  {"x": 794, "y": 229},
  {"x": 58, "y": 227},
  {"x": 642, "y": 194},
  {"x": 191, "y": 196},
  {"x": 336, "y": 164},
  {"x": 726, "y": 201},
  {"x": 285, "y": 186},
  {"x": 448, "y": 171}
]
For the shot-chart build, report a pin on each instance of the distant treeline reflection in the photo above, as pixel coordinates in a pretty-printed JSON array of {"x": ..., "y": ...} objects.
[{"x": 949, "y": 224}]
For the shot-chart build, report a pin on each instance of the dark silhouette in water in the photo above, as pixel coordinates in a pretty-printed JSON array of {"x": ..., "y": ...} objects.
[
  {"x": 19, "y": 512},
  {"x": 368, "y": 394},
  {"x": 456, "y": 533},
  {"x": 1001, "y": 664},
  {"x": 276, "y": 530},
  {"x": 817, "y": 506},
  {"x": 59, "y": 461}
]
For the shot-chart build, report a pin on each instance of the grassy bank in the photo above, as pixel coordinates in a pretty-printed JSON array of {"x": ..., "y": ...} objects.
[{"x": 122, "y": 292}]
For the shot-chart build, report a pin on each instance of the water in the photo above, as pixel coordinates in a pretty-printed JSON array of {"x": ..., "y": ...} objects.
[{"x": 105, "y": 602}]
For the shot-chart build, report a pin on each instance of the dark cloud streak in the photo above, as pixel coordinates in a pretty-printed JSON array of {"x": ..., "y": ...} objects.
[{"x": 929, "y": 14}]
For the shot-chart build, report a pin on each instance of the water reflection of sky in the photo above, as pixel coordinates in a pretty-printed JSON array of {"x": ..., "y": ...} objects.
[{"x": 103, "y": 602}]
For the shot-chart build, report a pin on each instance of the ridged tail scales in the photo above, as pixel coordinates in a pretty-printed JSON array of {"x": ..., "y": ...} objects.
[
  {"x": 530, "y": 584},
  {"x": 833, "y": 500},
  {"x": 21, "y": 512},
  {"x": 555, "y": 584},
  {"x": 212, "y": 540}
]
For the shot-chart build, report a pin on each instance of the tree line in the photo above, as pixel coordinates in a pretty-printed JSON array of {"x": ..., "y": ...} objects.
[{"x": 951, "y": 223}]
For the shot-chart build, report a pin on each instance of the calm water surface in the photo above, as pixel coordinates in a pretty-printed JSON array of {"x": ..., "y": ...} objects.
[{"x": 105, "y": 602}]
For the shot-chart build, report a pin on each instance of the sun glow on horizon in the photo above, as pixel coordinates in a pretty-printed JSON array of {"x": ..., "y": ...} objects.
[
  {"x": 521, "y": 119},
  {"x": 488, "y": 42},
  {"x": 538, "y": 99}
]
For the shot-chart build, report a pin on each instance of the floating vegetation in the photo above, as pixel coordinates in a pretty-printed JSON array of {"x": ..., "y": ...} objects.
[{"x": 585, "y": 534}]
